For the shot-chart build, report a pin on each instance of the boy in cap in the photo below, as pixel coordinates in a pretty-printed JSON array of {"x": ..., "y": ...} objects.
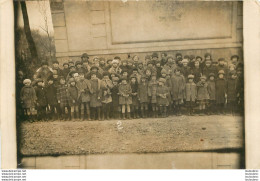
[
  {"x": 51, "y": 95},
  {"x": 73, "y": 97},
  {"x": 196, "y": 71},
  {"x": 222, "y": 66},
  {"x": 207, "y": 68},
  {"x": 28, "y": 99},
  {"x": 232, "y": 92},
  {"x": 221, "y": 92},
  {"x": 154, "y": 58},
  {"x": 202, "y": 94},
  {"x": 79, "y": 68},
  {"x": 164, "y": 58},
  {"x": 143, "y": 96},
  {"x": 125, "y": 98},
  {"x": 190, "y": 94},
  {"x": 41, "y": 100},
  {"x": 63, "y": 99},
  {"x": 135, "y": 61},
  {"x": 55, "y": 66},
  {"x": 212, "y": 93},
  {"x": 71, "y": 63},
  {"x": 65, "y": 70},
  {"x": 234, "y": 60},
  {"x": 163, "y": 97},
  {"x": 108, "y": 65}
]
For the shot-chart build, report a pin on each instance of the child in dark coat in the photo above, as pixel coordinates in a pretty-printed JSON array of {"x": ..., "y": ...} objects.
[
  {"x": 63, "y": 99},
  {"x": 221, "y": 91},
  {"x": 232, "y": 92},
  {"x": 41, "y": 100},
  {"x": 73, "y": 98},
  {"x": 106, "y": 98},
  {"x": 51, "y": 95},
  {"x": 125, "y": 98},
  {"x": 115, "y": 99},
  {"x": 135, "y": 102},
  {"x": 163, "y": 97},
  {"x": 191, "y": 93},
  {"x": 212, "y": 94},
  {"x": 143, "y": 96},
  {"x": 28, "y": 99},
  {"x": 152, "y": 93},
  {"x": 202, "y": 94}
]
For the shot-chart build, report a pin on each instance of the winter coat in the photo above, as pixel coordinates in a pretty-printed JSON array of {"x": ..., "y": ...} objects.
[
  {"x": 191, "y": 91},
  {"x": 125, "y": 91},
  {"x": 41, "y": 96},
  {"x": 117, "y": 70},
  {"x": 65, "y": 72},
  {"x": 152, "y": 91},
  {"x": 44, "y": 73},
  {"x": 232, "y": 89},
  {"x": 212, "y": 90},
  {"x": 96, "y": 93},
  {"x": 143, "y": 92},
  {"x": 59, "y": 71},
  {"x": 62, "y": 95},
  {"x": 202, "y": 91},
  {"x": 73, "y": 95},
  {"x": 177, "y": 87},
  {"x": 197, "y": 74},
  {"x": 134, "y": 88},
  {"x": 84, "y": 88},
  {"x": 185, "y": 71},
  {"x": 28, "y": 97},
  {"x": 106, "y": 93},
  {"x": 207, "y": 70},
  {"x": 163, "y": 96},
  {"x": 221, "y": 90},
  {"x": 115, "y": 96},
  {"x": 51, "y": 94}
]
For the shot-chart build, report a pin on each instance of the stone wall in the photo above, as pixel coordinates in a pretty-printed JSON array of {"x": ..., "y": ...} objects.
[{"x": 94, "y": 27}]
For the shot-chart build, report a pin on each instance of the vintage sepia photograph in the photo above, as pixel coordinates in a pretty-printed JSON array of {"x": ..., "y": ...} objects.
[{"x": 129, "y": 84}]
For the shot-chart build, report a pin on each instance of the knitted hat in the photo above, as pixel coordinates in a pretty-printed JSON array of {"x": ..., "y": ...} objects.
[
  {"x": 221, "y": 72},
  {"x": 27, "y": 81},
  {"x": 162, "y": 80},
  {"x": 211, "y": 75},
  {"x": 190, "y": 76},
  {"x": 65, "y": 63},
  {"x": 94, "y": 67}
]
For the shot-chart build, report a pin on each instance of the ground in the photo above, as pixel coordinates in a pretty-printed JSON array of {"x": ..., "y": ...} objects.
[{"x": 182, "y": 133}]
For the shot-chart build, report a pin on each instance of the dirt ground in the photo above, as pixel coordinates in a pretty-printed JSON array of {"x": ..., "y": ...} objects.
[{"x": 183, "y": 133}]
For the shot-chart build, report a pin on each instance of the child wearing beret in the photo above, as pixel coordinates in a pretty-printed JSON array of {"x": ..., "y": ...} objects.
[
  {"x": 163, "y": 97},
  {"x": 191, "y": 93},
  {"x": 28, "y": 99}
]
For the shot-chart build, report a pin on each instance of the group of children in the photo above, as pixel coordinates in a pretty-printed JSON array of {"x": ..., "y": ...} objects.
[{"x": 131, "y": 88}]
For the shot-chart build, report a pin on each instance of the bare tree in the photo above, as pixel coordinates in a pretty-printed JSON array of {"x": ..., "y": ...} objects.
[
  {"x": 43, "y": 10},
  {"x": 28, "y": 33}
]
